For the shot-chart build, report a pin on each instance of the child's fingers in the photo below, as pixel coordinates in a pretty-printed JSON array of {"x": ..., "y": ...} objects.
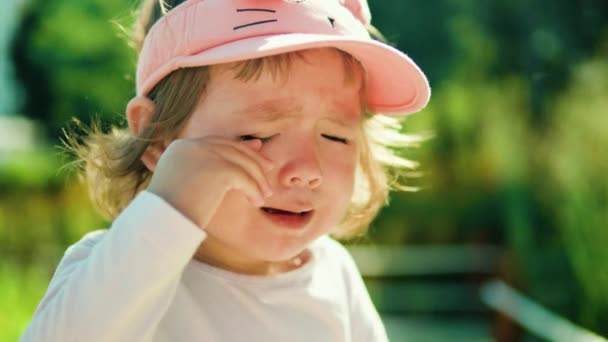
[
  {"x": 247, "y": 163},
  {"x": 245, "y": 157},
  {"x": 248, "y": 185},
  {"x": 254, "y": 144},
  {"x": 251, "y": 148}
]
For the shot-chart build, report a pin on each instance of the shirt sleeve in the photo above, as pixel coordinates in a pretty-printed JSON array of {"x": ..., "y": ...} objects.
[
  {"x": 116, "y": 284},
  {"x": 366, "y": 324}
]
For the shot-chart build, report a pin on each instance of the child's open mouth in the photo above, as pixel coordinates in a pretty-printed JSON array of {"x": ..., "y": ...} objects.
[
  {"x": 284, "y": 212},
  {"x": 288, "y": 219}
]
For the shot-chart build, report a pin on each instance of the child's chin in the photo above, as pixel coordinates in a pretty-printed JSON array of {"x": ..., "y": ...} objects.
[{"x": 280, "y": 255}]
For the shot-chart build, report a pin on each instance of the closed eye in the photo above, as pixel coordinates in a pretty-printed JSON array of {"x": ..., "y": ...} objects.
[
  {"x": 253, "y": 137},
  {"x": 335, "y": 138}
]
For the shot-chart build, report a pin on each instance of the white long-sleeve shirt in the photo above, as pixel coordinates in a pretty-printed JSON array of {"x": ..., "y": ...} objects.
[{"x": 137, "y": 281}]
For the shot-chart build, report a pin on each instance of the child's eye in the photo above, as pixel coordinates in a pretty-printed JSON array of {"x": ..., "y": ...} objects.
[
  {"x": 253, "y": 137},
  {"x": 334, "y": 138}
]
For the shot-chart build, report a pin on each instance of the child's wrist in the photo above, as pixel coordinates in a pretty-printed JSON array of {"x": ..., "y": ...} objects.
[{"x": 177, "y": 204}]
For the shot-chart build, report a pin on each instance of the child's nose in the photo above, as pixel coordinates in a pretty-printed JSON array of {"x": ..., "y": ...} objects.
[{"x": 301, "y": 170}]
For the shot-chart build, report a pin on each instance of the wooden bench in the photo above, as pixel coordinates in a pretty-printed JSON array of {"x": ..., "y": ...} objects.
[
  {"x": 453, "y": 293},
  {"x": 430, "y": 293}
]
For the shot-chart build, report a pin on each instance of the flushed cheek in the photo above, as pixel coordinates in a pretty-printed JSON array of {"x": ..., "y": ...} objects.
[
  {"x": 340, "y": 164},
  {"x": 338, "y": 182},
  {"x": 335, "y": 203}
]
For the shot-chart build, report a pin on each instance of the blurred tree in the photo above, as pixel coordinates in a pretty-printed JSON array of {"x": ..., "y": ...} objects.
[
  {"x": 72, "y": 62},
  {"x": 488, "y": 170},
  {"x": 542, "y": 40},
  {"x": 576, "y": 163}
]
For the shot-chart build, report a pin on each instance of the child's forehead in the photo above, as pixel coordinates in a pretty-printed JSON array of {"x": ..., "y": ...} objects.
[
  {"x": 277, "y": 109},
  {"x": 279, "y": 68},
  {"x": 313, "y": 78}
]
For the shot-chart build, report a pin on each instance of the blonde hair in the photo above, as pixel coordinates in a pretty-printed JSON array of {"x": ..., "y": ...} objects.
[{"x": 110, "y": 163}]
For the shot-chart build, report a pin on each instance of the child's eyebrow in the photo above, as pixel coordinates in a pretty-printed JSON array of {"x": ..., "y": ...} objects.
[
  {"x": 344, "y": 120},
  {"x": 280, "y": 109},
  {"x": 269, "y": 111}
]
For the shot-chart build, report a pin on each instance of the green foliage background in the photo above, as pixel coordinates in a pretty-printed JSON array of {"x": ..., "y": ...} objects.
[{"x": 518, "y": 159}]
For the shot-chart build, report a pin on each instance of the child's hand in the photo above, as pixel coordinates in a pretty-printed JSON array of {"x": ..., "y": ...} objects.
[{"x": 193, "y": 175}]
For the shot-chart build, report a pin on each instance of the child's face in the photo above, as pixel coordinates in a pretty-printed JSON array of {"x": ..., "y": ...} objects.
[{"x": 305, "y": 117}]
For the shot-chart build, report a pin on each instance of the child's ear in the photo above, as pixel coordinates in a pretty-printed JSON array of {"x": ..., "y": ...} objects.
[{"x": 140, "y": 111}]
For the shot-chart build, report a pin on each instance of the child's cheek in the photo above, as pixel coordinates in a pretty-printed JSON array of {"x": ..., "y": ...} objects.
[{"x": 340, "y": 159}]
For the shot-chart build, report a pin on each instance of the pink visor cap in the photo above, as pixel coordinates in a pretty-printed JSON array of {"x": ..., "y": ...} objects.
[{"x": 206, "y": 32}]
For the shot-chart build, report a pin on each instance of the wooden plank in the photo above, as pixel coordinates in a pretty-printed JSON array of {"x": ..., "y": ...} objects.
[
  {"x": 429, "y": 329},
  {"x": 532, "y": 316}
]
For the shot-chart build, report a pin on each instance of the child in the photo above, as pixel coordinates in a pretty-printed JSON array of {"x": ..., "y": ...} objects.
[{"x": 251, "y": 139}]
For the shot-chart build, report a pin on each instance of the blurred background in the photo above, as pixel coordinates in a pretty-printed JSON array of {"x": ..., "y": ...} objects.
[{"x": 514, "y": 184}]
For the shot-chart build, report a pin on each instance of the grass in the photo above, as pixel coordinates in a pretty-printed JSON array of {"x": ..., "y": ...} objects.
[{"x": 20, "y": 291}]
